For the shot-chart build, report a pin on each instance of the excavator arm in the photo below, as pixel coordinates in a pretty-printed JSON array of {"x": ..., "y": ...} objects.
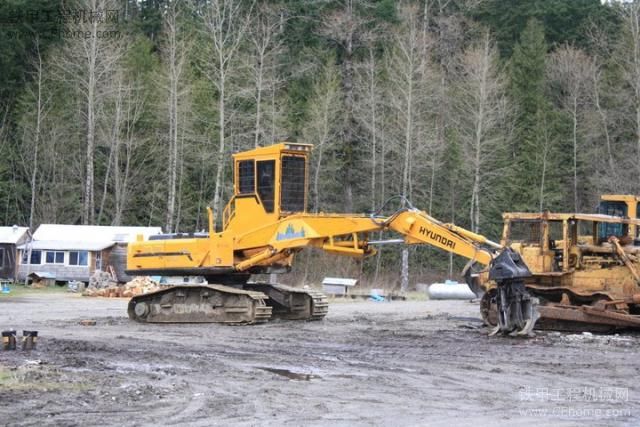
[
  {"x": 348, "y": 235},
  {"x": 419, "y": 228}
]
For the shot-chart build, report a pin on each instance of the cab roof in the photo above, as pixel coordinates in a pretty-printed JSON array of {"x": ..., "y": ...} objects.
[
  {"x": 528, "y": 216},
  {"x": 620, "y": 197},
  {"x": 274, "y": 150}
]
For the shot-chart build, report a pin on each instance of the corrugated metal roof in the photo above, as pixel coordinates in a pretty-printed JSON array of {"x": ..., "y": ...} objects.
[
  {"x": 92, "y": 233},
  {"x": 12, "y": 234},
  {"x": 67, "y": 245}
]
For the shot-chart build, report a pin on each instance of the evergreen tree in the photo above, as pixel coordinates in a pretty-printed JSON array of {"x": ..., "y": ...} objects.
[
  {"x": 527, "y": 69},
  {"x": 564, "y": 21}
]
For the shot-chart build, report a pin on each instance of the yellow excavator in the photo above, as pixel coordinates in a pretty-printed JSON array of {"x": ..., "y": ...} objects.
[{"x": 266, "y": 223}]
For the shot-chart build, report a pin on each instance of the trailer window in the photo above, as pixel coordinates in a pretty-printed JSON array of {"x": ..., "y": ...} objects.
[
  {"x": 293, "y": 183},
  {"x": 36, "y": 257},
  {"x": 246, "y": 177},
  {"x": 266, "y": 183},
  {"x": 78, "y": 258},
  {"x": 54, "y": 257},
  {"x": 1, "y": 257}
]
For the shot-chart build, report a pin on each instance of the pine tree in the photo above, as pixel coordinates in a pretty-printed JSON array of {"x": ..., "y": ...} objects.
[{"x": 530, "y": 164}]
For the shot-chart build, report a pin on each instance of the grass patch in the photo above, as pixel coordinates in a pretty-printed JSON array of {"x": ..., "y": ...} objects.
[
  {"x": 416, "y": 296},
  {"x": 5, "y": 376},
  {"x": 19, "y": 290},
  {"x": 35, "y": 378}
]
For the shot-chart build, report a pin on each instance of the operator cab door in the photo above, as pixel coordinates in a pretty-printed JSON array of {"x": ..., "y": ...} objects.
[
  {"x": 258, "y": 177},
  {"x": 293, "y": 193},
  {"x": 266, "y": 171}
]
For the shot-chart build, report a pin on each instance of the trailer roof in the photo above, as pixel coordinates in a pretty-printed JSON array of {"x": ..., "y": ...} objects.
[{"x": 92, "y": 233}]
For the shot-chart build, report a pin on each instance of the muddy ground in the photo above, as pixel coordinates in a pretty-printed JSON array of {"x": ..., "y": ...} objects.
[{"x": 398, "y": 363}]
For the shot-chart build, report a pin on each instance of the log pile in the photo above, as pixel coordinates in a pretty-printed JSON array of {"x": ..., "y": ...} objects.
[
  {"x": 101, "y": 279},
  {"x": 139, "y": 285}
]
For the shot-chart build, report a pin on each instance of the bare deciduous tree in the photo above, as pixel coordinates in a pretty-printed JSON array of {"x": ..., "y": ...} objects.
[
  {"x": 267, "y": 45},
  {"x": 88, "y": 61},
  {"x": 33, "y": 126},
  {"x": 323, "y": 121},
  {"x": 571, "y": 69},
  {"x": 175, "y": 51},
  {"x": 124, "y": 106},
  {"x": 407, "y": 94},
  {"x": 226, "y": 24},
  {"x": 480, "y": 104}
]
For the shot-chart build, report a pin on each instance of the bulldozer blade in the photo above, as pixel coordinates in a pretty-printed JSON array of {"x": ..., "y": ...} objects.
[{"x": 585, "y": 318}]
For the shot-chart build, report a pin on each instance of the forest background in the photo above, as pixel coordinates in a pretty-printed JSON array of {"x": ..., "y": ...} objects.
[{"x": 125, "y": 112}]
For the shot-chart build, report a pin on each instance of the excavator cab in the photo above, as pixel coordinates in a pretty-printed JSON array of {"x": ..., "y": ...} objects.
[{"x": 268, "y": 183}]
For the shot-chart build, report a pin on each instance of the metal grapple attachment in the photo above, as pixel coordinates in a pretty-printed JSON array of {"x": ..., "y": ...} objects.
[{"x": 516, "y": 308}]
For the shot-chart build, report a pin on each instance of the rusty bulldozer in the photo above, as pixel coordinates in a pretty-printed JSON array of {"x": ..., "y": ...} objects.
[{"x": 585, "y": 268}]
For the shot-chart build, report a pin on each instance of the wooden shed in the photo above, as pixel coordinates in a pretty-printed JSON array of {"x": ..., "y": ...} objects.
[{"x": 10, "y": 238}]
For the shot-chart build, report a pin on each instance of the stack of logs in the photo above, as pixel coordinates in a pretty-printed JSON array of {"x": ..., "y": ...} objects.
[{"x": 139, "y": 285}]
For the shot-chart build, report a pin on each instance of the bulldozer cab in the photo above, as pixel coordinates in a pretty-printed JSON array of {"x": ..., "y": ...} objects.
[
  {"x": 268, "y": 182},
  {"x": 621, "y": 205}
]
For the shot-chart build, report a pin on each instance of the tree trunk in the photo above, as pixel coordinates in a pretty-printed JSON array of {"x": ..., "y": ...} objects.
[
  {"x": 574, "y": 114},
  {"x": 605, "y": 125},
  {"x": 350, "y": 138},
  {"x": 256, "y": 142},
  {"x": 220, "y": 159},
  {"x": 88, "y": 212},
  {"x": 174, "y": 75},
  {"x": 34, "y": 170},
  {"x": 373, "y": 124},
  {"x": 404, "y": 274},
  {"x": 316, "y": 179}
]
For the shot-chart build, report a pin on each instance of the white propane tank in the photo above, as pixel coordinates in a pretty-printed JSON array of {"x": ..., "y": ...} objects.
[{"x": 450, "y": 290}]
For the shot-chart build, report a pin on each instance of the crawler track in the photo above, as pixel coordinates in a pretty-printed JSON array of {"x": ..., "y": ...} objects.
[
  {"x": 293, "y": 303},
  {"x": 200, "y": 304},
  {"x": 254, "y": 303}
]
